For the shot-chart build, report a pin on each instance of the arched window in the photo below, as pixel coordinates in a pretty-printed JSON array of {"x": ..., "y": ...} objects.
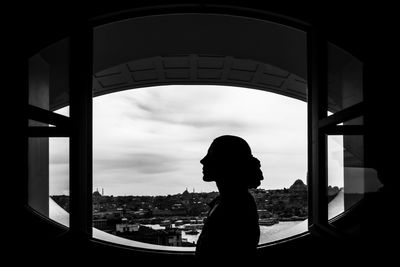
[{"x": 207, "y": 51}]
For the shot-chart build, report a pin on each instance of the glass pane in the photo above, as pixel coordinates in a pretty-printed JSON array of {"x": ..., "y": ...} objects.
[
  {"x": 59, "y": 180},
  {"x": 38, "y": 174},
  {"x": 345, "y": 79},
  {"x": 348, "y": 178},
  {"x": 49, "y": 77},
  {"x": 356, "y": 121},
  {"x": 48, "y": 179},
  {"x": 147, "y": 146},
  {"x": 33, "y": 123}
]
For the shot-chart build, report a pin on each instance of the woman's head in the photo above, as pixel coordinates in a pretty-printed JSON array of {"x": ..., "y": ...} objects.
[{"x": 229, "y": 161}]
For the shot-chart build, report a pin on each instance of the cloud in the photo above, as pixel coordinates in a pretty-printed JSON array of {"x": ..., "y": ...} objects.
[
  {"x": 147, "y": 163},
  {"x": 150, "y": 140},
  {"x": 191, "y": 108}
]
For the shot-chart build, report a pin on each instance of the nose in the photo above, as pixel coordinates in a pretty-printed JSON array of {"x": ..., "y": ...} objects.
[{"x": 203, "y": 160}]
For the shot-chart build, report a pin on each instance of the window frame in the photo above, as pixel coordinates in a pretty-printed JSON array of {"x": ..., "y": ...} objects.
[
  {"x": 78, "y": 127},
  {"x": 320, "y": 126}
]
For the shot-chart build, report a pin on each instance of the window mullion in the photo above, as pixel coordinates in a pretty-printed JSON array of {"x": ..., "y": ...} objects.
[
  {"x": 317, "y": 106},
  {"x": 345, "y": 130},
  {"x": 46, "y": 116},
  {"x": 42, "y": 131},
  {"x": 81, "y": 131},
  {"x": 347, "y": 114}
]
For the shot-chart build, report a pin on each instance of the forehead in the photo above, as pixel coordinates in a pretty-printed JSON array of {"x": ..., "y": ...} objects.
[
  {"x": 214, "y": 152},
  {"x": 224, "y": 152}
]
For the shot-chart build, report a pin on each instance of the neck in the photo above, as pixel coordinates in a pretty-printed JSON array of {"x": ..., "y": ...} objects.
[{"x": 231, "y": 191}]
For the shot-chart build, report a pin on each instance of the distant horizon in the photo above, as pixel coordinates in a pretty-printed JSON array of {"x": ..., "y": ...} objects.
[{"x": 190, "y": 190}]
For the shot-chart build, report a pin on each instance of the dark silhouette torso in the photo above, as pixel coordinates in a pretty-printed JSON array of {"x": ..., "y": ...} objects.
[{"x": 231, "y": 230}]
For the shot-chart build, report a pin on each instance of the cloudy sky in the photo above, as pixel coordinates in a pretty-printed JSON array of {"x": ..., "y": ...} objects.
[{"x": 149, "y": 141}]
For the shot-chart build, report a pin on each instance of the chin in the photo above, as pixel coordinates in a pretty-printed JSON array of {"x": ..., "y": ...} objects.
[{"x": 207, "y": 179}]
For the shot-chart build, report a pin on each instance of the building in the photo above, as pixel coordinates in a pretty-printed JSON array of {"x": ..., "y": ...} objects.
[
  {"x": 100, "y": 224},
  {"x": 126, "y": 227},
  {"x": 298, "y": 187},
  {"x": 163, "y": 237}
]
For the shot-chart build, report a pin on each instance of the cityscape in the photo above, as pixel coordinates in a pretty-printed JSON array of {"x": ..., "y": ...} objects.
[{"x": 177, "y": 220}]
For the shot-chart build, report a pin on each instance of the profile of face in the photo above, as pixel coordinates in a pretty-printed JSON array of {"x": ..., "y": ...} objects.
[
  {"x": 211, "y": 167},
  {"x": 223, "y": 157}
]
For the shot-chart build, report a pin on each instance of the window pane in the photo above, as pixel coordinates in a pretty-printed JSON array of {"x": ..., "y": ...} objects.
[
  {"x": 345, "y": 79},
  {"x": 33, "y": 123},
  {"x": 59, "y": 180},
  {"x": 48, "y": 179},
  {"x": 48, "y": 77},
  {"x": 38, "y": 171},
  {"x": 348, "y": 178},
  {"x": 356, "y": 121},
  {"x": 147, "y": 146}
]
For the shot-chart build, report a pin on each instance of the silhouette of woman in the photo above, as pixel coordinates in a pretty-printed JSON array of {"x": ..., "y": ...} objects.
[{"x": 231, "y": 230}]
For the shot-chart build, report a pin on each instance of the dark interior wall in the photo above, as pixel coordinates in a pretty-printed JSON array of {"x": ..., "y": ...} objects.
[
  {"x": 139, "y": 38},
  {"x": 365, "y": 30}
]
